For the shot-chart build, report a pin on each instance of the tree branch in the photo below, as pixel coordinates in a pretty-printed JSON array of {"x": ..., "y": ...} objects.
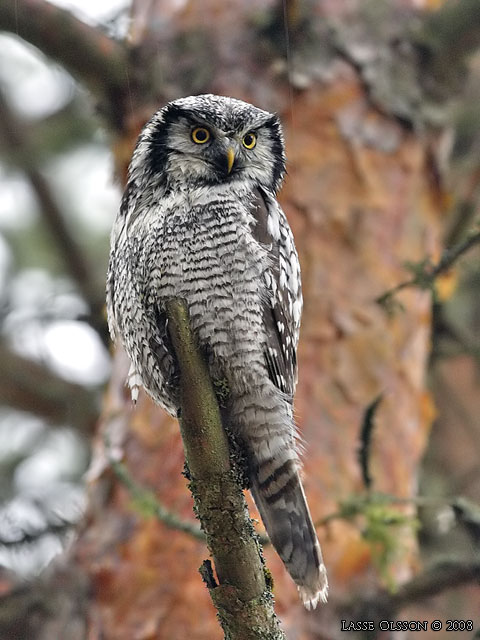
[
  {"x": 149, "y": 502},
  {"x": 242, "y": 595},
  {"x": 77, "y": 264},
  {"x": 426, "y": 273},
  {"x": 28, "y": 386},
  {"x": 89, "y": 55},
  {"x": 448, "y": 574}
]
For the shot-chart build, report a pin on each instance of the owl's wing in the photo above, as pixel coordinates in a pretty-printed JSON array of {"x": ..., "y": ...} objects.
[
  {"x": 116, "y": 263},
  {"x": 126, "y": 293},
  {"x": 283, "y": 305}
]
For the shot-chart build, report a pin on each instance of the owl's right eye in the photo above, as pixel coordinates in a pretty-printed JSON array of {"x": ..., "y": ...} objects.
[{"x": 200, "y": 135}]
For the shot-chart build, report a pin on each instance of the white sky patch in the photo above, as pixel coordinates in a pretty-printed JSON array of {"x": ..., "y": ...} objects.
[
  {"x": 35, "y": 87},
  {"x": 43, "y": 325},
  {"x": 17, "y": 203},
  {"x": 84, "y": 179},
  {"x": 45, "y": 474},
  {"x": 92, "y": 11},
  {"x": 84, "y": 185},
  {"x": 29, "y": 560},
  {"x": 18, "y": 431},
  {"x": 35, "y": 294},
  {"x": 76, "y": 352}
]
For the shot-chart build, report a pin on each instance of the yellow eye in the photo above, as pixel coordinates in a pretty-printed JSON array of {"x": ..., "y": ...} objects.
[
  {"x": 200, "y": 135},
  {"x": 249, "y": 140}
]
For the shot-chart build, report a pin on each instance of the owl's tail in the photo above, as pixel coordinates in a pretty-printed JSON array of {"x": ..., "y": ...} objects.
[{"x": 279, "y": 496}]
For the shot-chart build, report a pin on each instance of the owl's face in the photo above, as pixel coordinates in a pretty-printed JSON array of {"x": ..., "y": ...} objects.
[{"x": 206, "y": 140}]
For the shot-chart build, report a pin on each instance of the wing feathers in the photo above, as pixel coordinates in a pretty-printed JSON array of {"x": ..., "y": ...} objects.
[{"x": 284, "y": 301}]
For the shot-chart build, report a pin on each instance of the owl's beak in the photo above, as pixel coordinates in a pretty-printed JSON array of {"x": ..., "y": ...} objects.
[{"x": 230, "y": 159}]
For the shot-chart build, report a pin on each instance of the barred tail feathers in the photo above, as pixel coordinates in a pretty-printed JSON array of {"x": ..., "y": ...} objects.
[{"x": 280, "y": 499}]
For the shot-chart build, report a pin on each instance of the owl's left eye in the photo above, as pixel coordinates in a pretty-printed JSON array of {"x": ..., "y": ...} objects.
[
  {"x": 249, "y": 140},
  {"x": 200, "y": 135}
]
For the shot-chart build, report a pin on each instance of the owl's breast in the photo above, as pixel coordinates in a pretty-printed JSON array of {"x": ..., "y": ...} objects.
[{"x": 208, "y": 257}]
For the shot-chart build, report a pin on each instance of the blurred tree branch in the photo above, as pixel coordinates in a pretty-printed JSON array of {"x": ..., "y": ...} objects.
[
  {"x": 242, "y": 595},
  {"x": 465, "y": 208},
  {"x": 76, "y": 262},
  {"x": 444, "y": 575},
  {"x": 90, "y": 56},
  {"x": 148, "y": 502},
  {"x": 29, "y": 386},
  {"x": 425, "y": 272}
]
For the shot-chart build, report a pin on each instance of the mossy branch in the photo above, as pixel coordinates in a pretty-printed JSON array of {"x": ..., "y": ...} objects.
[
  {"x": 242, "y": 595},
  {"x": 147, "y": 503}
]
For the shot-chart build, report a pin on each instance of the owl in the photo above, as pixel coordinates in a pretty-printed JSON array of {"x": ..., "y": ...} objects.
[{"x": 199, "y": 221}]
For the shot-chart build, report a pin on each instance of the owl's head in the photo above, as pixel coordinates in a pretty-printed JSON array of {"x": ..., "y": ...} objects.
[{"x": 206, "y": 140}]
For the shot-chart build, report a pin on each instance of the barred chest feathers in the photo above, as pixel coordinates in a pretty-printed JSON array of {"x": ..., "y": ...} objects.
[{"x": 201, "y": 248}]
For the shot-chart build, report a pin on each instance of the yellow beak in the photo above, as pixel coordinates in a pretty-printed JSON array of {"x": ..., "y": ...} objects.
[{"x": 230, "y": 159}]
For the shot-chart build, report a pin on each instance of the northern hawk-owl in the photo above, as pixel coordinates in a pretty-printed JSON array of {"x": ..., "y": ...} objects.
[{"x": 199, "y": 221}]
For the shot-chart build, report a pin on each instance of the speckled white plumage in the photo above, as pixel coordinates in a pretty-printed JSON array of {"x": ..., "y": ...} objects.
[{"x": 192, "y": 227}]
